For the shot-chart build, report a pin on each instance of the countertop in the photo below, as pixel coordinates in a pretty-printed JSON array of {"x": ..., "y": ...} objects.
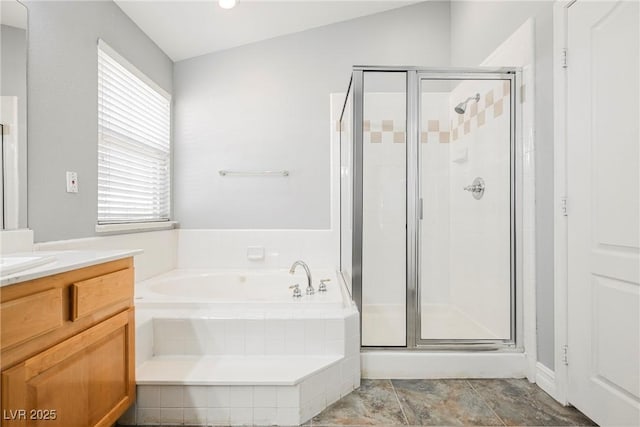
[{"x": 63, "y": 261}]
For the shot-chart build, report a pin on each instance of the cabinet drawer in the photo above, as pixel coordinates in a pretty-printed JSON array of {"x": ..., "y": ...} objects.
[
  {"x": 32, "y": 315},
  {"x": 89, "y": 296}
]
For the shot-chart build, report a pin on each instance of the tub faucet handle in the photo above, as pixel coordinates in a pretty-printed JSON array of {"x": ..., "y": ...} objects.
[
  {"x": 296, "y": 290},
  {"x": 323, "y": 285}
]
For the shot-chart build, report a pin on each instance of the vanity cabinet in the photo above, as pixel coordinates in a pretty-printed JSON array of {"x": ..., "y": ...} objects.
[{"x": 68, "y": 347}]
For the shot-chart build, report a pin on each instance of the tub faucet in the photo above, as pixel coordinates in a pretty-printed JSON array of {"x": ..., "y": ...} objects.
[{"x": 292, "y": 270}]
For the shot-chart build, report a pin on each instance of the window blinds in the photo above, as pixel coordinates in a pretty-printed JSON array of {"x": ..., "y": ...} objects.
[{"x": 134, "y": 144}]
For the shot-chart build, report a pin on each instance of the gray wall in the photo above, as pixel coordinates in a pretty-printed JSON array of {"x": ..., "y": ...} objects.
[
  {"x": 477, "y": 28},
  {"x": 14, "y": 83},
  {"x": 266, "y": 106},
  {"x": 63, "y": 97}
]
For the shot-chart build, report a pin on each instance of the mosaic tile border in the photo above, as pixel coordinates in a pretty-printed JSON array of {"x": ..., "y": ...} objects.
[
  {"x": 490, "y": 106},
  {"x": 478, "y": 114}
]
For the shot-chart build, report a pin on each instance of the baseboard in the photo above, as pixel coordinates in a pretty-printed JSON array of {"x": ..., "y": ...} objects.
[{"x": 546, "y": 380}]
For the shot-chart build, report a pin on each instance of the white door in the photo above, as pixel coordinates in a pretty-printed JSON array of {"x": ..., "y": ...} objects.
[{"x": 604, "y": 210}]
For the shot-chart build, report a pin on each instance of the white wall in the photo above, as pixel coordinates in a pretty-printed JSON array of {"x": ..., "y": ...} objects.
[
  {"x": 477, "y": 28},
  {"x": 63, "y": 106},
  {"x": 222, "y": 124}
]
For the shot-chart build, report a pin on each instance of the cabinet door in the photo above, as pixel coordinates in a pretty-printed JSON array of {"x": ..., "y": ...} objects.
[{"x": 87, "y": 380}]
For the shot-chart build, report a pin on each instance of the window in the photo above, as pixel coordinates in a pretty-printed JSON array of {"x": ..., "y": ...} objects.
[{"x": 134, "y": 143}]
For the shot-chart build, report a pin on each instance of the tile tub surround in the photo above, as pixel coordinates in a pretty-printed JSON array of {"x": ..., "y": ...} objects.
[
  {"x": 256, "y": 336},
  {"x": 243, "y": 405},
  {"x": 258, "y": 369}
]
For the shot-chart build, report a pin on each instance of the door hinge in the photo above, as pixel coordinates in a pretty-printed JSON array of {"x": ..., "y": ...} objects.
[
  {"x": 563, "y": 206},
  {"x": 421, "y": 208},
  {"x": 565, "y": 354},
  {"x": 563, "y": 58}
]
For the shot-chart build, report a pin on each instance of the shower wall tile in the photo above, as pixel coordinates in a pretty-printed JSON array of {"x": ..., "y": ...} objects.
[
  {"x": 489, "y": 99},
  {"x": 481, "y": 119},
  {"x": 480, "y": 147},
  {"x": 397, "y": 134},
  {"x": 399, "y": 137},
  {"x": 490, "y": 106},
  {"x": 506, "y": 88},
  {"x": 498, "y": 108}
]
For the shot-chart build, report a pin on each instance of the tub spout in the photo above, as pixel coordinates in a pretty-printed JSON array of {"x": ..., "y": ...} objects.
[{"x": 292, "y": 270}]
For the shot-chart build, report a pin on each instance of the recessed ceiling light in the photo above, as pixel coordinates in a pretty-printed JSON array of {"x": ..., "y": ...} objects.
[{"x": 227, "y": 4}]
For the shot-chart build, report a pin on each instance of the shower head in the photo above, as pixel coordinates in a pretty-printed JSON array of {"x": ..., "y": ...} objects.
[{"x": 462, "y": 107}]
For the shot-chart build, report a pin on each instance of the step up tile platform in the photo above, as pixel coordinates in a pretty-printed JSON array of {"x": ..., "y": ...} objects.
[{"x": 221, "y": 371}]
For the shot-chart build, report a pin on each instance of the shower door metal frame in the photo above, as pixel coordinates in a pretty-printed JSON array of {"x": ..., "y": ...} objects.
[
  {"x": 414, "y": 76},
  {"x": 414, "y": 220}
]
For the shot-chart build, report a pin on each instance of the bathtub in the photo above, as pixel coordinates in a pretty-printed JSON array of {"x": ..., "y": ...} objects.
[
  {"x": 213, "y": 331},
  {"x": 240, "y": 289}
]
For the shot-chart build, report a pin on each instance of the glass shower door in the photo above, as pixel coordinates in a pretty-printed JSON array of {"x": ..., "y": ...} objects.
[
  {"x": 384, "y": 160},
  {"x": 465, "y": 286}
]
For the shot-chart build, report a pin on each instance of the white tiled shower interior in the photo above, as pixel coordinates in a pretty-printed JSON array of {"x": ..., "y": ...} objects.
[
  {"x": 479, "y": 230},
  {"x": 518, "y": 51},
  {"x": 465, "y": 243}
]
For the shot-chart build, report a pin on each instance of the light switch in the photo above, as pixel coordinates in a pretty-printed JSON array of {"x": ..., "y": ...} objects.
[{"x": 72, "y": 182}]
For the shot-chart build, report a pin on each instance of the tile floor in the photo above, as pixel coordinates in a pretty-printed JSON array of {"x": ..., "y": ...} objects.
[
  {"x": 506, "y": 402},
  {"x": 499, "y": 402}
]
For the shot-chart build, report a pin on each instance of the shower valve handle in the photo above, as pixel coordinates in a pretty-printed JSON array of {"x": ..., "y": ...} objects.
[{"x": 476, "y": 188}]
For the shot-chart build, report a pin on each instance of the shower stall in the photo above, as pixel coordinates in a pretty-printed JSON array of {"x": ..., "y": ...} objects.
[{"x": 428, "y": 200}]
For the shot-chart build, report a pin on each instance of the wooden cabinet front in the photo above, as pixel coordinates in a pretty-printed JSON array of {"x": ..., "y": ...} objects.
[
  {"x": 86, "y": 380},
  {"x": 67, "y": 347}
]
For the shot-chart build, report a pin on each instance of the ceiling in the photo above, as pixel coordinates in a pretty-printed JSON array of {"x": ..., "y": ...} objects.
[{"x": 184, "y": 29}]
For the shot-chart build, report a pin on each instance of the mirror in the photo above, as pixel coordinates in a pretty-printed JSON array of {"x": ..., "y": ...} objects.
[{"x": 13, "y": 115}]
